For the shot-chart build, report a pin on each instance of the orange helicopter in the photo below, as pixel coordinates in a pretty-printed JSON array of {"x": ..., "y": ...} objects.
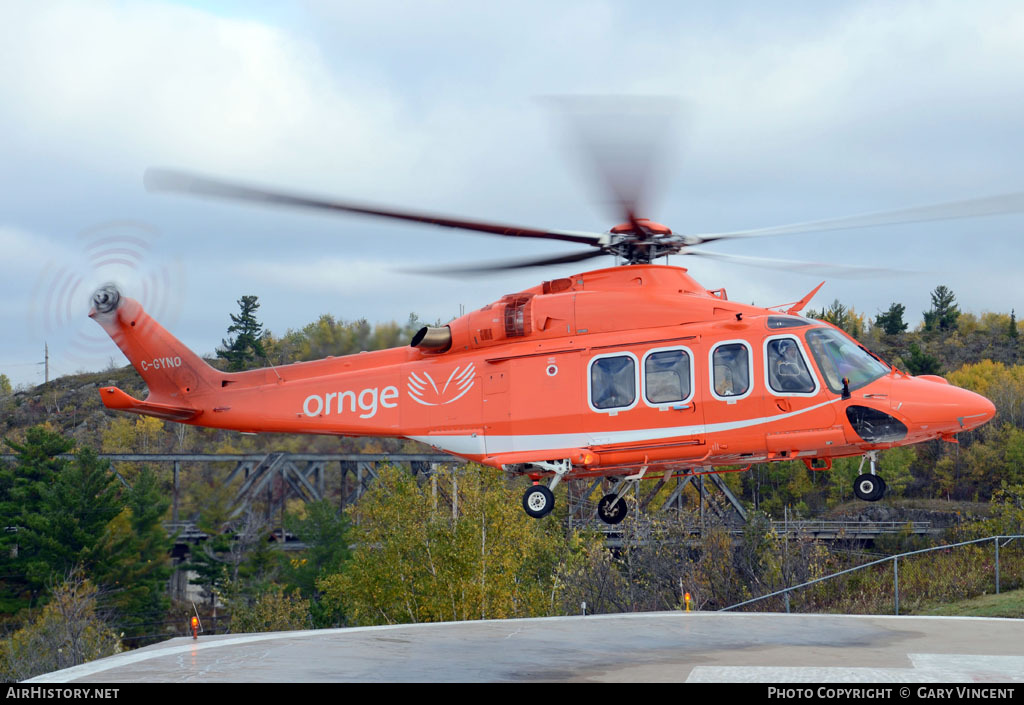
[{"x": 628, "y": 372}]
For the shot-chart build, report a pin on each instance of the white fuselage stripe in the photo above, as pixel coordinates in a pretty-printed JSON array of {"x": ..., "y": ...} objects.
[{"x": 475, "y": 445}]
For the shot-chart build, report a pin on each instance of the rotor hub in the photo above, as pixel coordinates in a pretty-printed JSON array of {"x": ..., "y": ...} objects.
[
  {"x": 646, "y": 224},
  {"x": 641, "y": 241},
  {"x": 106, "y": 298}
]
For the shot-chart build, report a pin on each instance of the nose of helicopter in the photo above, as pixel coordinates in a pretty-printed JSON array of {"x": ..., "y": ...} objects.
[{"x": 933, "y": 405}]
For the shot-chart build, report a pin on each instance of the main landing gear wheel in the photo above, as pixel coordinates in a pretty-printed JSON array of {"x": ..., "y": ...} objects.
[
  {"x": 538, "y": 501},
  {"x": 612, "y": 509},
  {"x": 869, "y": 488}
]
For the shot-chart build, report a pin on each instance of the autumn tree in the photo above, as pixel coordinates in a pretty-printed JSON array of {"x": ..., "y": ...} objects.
[
  {"x": 1007, "y": 512},
  {"x": 126, "y": 435},
  {"x": 1001, "y": 384},
  {"x": 329, "y": 335},
  {"x": 990, "y": 462},
  {"x": 717, "y": 581},
  {"x": 590, "y": 579},
  {"x": 68, "y": 631},
  {"x": 273, "y": 610},
  {"x": 417, "y": 560},
  {"x": 246, "y": 347}
]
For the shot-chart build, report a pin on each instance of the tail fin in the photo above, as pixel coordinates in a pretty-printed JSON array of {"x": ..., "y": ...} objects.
[{"x": 171, "y": 371}]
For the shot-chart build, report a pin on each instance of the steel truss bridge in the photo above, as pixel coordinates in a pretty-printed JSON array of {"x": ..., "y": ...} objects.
[
  {"x": 266, "y": 481},
  {"x": 271, "y": 479}
]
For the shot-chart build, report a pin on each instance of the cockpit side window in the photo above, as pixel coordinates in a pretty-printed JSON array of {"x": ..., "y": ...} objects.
[
  {"x": 787, "y": 369},
  {"x": 730, "y": 370},
  {"x": 838, "y": 357}
]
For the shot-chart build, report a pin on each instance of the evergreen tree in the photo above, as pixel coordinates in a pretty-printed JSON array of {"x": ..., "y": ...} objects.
[
  {"x": 73, "y": 514},
  {"x": 134, "y": 556},
  {"x": 247, "y": 346},
  {"x": 324, "y": 532},
  {"x": 891, "y": 322},
  {"x": 209, "y": 566},
  {"x": 1012, "y": 331},
  {"x": 920, "y": 362},
  {"x": 842, "y": 317},
  {"x": 944, "y": 312},
  {"x": 21, "y": 489},
  {"x": 75, "y": 508}
]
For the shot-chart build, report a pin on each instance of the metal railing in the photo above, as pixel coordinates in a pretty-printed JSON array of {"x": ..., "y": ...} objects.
[
  {"x": 811, "y": 528},
  {"x": 853, "y": 528},
  {"x": 895, "y": 571}
]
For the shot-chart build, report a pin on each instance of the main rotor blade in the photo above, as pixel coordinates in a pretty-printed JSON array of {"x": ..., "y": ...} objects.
[
  {"x": 841, "y": 271},
  {"x": 485, "y": 267},
  {"x": 972, "y": 208},
  {"x": 166, "y": 180},
  {"x": 623, "y": 142}
]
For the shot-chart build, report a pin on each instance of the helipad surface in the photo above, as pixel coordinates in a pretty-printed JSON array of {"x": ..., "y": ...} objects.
[{"x": 670, "y": 646}]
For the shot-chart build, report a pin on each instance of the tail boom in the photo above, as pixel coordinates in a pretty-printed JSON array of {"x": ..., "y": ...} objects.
[{"x": 171, "y": 371}]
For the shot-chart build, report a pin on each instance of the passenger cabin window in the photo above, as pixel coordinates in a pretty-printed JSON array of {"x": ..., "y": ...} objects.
[
  {"x": 613, "y": 382},
  {"x": 787, "y": 370},
  {"x": 731, "y": 370},
  {"x": 667, "y": 376}
]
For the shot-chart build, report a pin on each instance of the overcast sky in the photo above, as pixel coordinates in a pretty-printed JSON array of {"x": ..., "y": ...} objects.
[{"x": 792, "y": 112}]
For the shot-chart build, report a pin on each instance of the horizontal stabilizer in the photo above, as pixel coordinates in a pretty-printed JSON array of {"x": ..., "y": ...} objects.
[{"x": 114, "y": 398}]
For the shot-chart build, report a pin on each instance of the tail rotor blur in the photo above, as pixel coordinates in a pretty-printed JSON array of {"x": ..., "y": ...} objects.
[{"x": 108, "y": 258}]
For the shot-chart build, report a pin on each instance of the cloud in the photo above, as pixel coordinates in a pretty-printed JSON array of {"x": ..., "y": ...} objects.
[
  {"x": 325, "y": 275},
  {"x": 116, "y": 84},
  {"x": 795, "y": 113}
]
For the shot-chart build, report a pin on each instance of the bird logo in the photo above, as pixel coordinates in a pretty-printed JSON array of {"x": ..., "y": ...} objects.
[{"x": 424, "y": 390}]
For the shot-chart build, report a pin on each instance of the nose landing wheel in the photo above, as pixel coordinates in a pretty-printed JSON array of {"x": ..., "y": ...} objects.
[{"x": 869, "y": 488}]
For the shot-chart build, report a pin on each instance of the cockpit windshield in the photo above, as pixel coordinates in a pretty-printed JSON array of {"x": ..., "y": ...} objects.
[{"x": 838, "y": 356}]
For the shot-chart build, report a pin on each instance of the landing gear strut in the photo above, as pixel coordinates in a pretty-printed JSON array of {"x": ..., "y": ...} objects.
[
  {"x": 869, "y": 487},
  {"x": 540, "y": 500},
  {"x": 612, "y": 508}
]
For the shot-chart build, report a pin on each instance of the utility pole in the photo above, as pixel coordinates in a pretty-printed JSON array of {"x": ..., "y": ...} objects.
[{"x": 46, "y": 363}]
